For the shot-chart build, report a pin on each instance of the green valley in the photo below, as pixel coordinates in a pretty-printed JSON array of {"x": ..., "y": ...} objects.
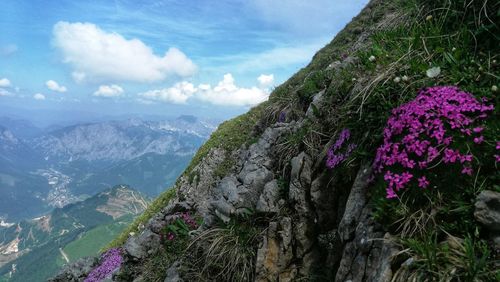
[{"x": 33, "y": 250}]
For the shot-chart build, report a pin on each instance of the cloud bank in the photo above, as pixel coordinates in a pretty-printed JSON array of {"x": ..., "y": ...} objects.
[
  {"x": 225, "y": 93},
  {"x": 97, "y": 55},
  {"x": 177, "y": 94}
]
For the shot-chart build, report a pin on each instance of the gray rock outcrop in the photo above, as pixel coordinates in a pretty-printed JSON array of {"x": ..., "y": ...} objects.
[{"x": 76, "y": 271}]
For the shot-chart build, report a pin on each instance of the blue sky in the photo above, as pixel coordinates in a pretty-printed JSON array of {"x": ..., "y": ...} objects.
[{"x": 207, "y": 58}]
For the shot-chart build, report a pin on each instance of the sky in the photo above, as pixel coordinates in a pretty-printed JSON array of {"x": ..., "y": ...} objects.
[{"x": 216, "y": 59}]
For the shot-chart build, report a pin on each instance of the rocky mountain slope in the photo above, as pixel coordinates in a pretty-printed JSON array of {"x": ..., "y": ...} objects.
[
  {"x": 32, "y": 250},
  {"x": 376, "y": 162}
]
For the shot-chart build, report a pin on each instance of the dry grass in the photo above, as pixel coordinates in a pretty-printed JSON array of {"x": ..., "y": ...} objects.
[
  {"x": 417, "y": 222},
  {"x": 222, "y": 254},
  {"x": 453, "y": 259}
]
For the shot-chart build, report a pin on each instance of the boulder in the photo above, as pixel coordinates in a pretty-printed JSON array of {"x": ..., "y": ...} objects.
[
  {"x": 76, "y": 271},
  {"x": 141, "y": 246},
  {"x": 173, "y": 273},
  {"x": 316, "y": 105},
  {"x": 488, "y": 210}
]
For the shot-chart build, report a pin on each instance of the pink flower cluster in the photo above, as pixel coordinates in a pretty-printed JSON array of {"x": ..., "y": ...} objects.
[
  {"x": 109, "y": 263},
  {"x": 420, "y": 134},
  {"x": 184, "y": 217},
  {"x": 334, "y": 158}
]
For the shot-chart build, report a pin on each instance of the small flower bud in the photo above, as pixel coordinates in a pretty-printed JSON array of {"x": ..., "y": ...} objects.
[
  {"x": 397, "y": 79},
  {"x": 428, "y": 18},
  {"x": 371, "y": 58},
  {"x": 494, "y": 88},
  {"x": 405, "y": 78}
]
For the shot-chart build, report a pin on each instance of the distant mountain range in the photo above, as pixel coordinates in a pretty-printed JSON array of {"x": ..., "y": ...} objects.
[
  {"x": 41, "y": 169},
  {"x": 34, "y": 249}
]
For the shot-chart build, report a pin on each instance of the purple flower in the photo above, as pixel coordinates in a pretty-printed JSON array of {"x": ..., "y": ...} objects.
[
  {"x": 282, "y": 117},
  {"x": 497, "y": 158},
  {"x": 334, "y": 158},
  {"x": 465, "y": 158},
  {"x": 479, "y": 140},
  {"x": 110, "y": 261},
  {"x": 478, "y": 129},
  {"x": 186, "y": 217},
  {"x": 423, "y": 182},
  {"x": 450, "y": 156},
  {"x": 467, "y": 170},
  {"x": 170, "y": 236},
  {"x": 390, "y": 193}
]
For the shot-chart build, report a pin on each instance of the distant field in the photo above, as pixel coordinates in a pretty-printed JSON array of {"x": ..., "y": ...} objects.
[{"x": 93, "y": 240}]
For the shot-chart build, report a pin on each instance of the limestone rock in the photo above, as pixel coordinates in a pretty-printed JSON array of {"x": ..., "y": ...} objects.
[
  {"x": 316, "y": 105},
  {"x": 368, "y": 251},
  {"x": 275, "y": 255},
  {"x": 255, "y": 176},
  {"x": 300, "y": 181},
  {"x": 173, "y": 273},
  {"x": 138, "y": 247},
  {"x": 488, "y": 210},
  {"x": 355, "y": 203},
  {"x": 268, "y": 201},
  {"x": 76, "y": 271}
]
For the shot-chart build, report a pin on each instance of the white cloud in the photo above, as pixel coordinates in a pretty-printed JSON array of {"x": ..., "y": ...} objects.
[
  {"x": 225, "y": 93},
  {"x": 228, "y": 94},
  {"x": 177, "y": 94},
  {"x": 4, "y": 92},
  {"x": 109, "y": 91},
  {"x": 54, "y": 86},
  {"x": 98, "y": 55},
  {"x": 266, "y": 80},
  {"x": 4, "y": 82},
  {"x": 39, "y": 96}
]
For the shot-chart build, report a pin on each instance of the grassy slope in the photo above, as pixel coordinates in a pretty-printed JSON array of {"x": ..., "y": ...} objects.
[{"x": 93, "y": 240}]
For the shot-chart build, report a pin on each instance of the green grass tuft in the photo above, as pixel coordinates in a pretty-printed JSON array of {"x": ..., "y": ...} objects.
[{"x": 230, "y": 135}]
